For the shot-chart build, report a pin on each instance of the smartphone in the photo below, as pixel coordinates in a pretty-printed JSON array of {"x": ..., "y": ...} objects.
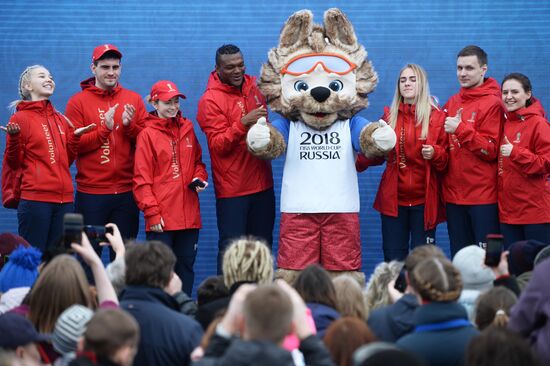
[
  {"x": 73, "y": 224},
  {"x": 97, "y": 233},
  {"x": 196, "y": 183},
  {"x": 493, "y": 249},
  {"x": 401, "y": 281}
]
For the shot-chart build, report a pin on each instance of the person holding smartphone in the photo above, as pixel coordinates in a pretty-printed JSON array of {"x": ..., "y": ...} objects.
[
  {"x": 408, "y": 195},
  {"x": 524, "y": 165},
  {"x": 168, "y": 175}
]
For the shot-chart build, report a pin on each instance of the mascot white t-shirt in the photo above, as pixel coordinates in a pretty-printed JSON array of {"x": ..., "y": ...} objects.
[{"x": 319, "y": 174}]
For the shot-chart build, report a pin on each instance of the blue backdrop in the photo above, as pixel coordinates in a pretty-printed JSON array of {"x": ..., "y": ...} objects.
[{"x": 176, "y": 40}]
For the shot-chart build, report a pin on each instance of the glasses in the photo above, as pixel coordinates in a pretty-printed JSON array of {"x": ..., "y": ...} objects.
[{"x": 331, "y": 63}]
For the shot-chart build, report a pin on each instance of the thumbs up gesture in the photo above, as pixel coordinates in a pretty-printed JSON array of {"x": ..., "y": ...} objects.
[
  {"x": 506, "y": 148},
  {"x": 258, "y": 135},
  {"x": 451, "y": 123},
  {"x": 384, "y": 136}
]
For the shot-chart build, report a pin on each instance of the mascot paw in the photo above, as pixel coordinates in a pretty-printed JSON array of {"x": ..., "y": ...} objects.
[
  {"x": 384, "y": 136},
  {"x": 258, "y": 136}
]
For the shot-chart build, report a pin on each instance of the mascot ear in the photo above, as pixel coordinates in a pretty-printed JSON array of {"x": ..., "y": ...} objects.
[
  {"x": 296, "y": 31},
  {"x": 339, "y": 30}
]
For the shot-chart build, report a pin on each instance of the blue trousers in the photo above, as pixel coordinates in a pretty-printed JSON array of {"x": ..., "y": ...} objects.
[
  {"x": 513, "y": 233},
  {"x": 253, "y": 214},
  {"x": 404, "y": 231},
  {"x": 101, "y": 209},
  {"x": 184, "y": 244},
  {"x": 41, "y": 223},
  {"x": 470, "y": 224}
]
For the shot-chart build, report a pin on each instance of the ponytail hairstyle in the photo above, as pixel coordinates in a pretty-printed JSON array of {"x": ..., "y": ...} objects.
[
  {"x": 493, "y": 307},
  {"x": 24, "y": 79},
  {"x": 423, "y": 101},
  {"x": 436, "y": 280}
]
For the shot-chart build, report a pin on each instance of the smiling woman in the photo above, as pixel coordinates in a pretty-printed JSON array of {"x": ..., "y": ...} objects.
[{"x": 41, "y": 145}]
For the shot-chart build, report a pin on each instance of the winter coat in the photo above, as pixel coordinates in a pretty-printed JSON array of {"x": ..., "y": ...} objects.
[
  {"x": 392, "y": 322},
  {"x": 168, "y": 158},
  {"x": 473, "y": 149},
  {"x": 167, "y": 337},
  {"x": 531, "y": 314},
  {"x": 225, "y": 351},
  {"x": 235, "y": 170},
  {"x": 524, "y": 176},
  {"x": 323, "y": 316},
  {"x": 408, "y": 179},
  {"x": 445, "y": 346},
  {"x": 105, "y": 162},
  {"x": 44, "y": 149}
]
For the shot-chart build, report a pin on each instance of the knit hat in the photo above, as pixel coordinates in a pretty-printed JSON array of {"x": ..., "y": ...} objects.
[
  {"x": 69, "y": 327},
  {"x": 8, "y": 243},
  {"x": 542, "y": 256},
  {"x": 21, "y": 270},
  {"x": 522, "y": 255},
  {"x": 475, "y": 275}
]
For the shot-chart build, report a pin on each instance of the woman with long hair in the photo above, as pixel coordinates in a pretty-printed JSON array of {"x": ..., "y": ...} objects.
[
  {"x": 41, "y": 145},
  {"x": 408, "y": 196},
  {"x": 524, "y": 165}
]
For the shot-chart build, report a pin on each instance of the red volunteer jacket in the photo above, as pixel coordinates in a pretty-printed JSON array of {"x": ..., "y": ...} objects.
[
  {"x": 105, "y": 161},
  {"x": 168, "y": 157},
  {"x": 471, "y": 177},
  {"x": 409, "y": 179},
  {"x": 236, "y": 172},
  {"x": 524, "y": 176},
  {"x": 44, "y": 149}
]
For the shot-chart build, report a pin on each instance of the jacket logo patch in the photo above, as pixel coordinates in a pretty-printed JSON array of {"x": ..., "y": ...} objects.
[
  {"x": 518, "y": 137},
  {"x": 472, "y": 118}
]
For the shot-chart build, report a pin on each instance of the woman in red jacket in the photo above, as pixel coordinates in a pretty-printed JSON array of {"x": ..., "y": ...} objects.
[
  {"x": 168, "y": 174},
  {"x": 41, "y": 145},
  {"x": 408, "y": 195},
  {"x": 524, "y": 165}
]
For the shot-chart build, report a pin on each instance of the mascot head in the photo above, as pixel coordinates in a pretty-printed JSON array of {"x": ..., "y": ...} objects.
[{"x": 317, "y": 74}]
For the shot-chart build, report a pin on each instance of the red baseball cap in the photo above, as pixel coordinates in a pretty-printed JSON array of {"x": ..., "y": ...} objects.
[
  {"x": 100, "y": 51},
  {"x": 165, "y": 90}
]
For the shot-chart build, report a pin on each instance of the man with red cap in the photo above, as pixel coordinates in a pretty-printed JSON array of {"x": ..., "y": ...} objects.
[
  {"x": 105, "y": 159},
  {"x": 168, "y": 175}
]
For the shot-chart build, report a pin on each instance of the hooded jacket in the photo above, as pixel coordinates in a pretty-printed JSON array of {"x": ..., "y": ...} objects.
[
  {"x": 44, "y": 149},
  {"x": 105, "y": 161},
  {"x": 408, "y": 179},
  {"x": 473, "y": 149},
  {"x": 235, "y": 170},
  {"x": 168, "y": 157},
  {"x": 524, "y": 176}
]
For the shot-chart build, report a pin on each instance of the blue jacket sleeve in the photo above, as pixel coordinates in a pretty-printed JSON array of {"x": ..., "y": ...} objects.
[{"x": 356, "y": 125}]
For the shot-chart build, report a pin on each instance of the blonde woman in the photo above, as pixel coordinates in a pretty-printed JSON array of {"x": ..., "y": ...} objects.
[{"x": 408, "y": 195}]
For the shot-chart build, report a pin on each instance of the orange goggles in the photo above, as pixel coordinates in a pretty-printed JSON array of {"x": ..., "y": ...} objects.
[{"x": 331, "y": 63}]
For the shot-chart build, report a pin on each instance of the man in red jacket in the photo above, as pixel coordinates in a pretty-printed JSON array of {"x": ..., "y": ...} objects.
[
  {"x": 105, "y": 159},
  {"x": 245, "y": 202},
  {"x": 475, "y": 117}
]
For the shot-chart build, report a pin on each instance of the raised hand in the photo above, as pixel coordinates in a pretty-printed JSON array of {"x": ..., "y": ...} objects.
[
  {"x": 11, "y": 129},
  {"x": 258, "y": 136},
  {"x": 110, "y": 117},
  {"x": 253, "y": 116},
  {"x": 384, "y": 136},
  {"x": 82, "y": 130},
  {"x": 128, "y": 114},
  {"x": 506, "y": 148},
  {"x": 451, "y": 123}
]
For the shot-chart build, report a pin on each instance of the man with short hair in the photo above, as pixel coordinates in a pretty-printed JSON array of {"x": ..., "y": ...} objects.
[
  {"x": 167, "y": 336},
  {"x": 19, "y": 335},
  {"x": 245, "y": 201},
  {"x": 105, "y": 159},
  {"x": 475, "y": 118},
  {"x": 263, "y": 317}
]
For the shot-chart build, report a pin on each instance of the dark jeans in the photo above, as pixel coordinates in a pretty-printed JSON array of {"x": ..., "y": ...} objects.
[
  {"x": 404, "y": 231},
  {"x": 184, "y": 245},
  {"x": 101, "y": 209},
  {"x": 41, "y": 223},
  {"x": 253, "y": 214},
  {"x": 470, "y": 224},
  {"x": 513, "y": 233}
]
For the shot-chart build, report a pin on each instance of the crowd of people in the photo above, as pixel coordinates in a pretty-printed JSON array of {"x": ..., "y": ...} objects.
[{"x": 481, "y": 162}]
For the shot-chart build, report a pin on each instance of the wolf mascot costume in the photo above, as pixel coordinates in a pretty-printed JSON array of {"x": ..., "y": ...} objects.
[{"x": 318, "y": 78}]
